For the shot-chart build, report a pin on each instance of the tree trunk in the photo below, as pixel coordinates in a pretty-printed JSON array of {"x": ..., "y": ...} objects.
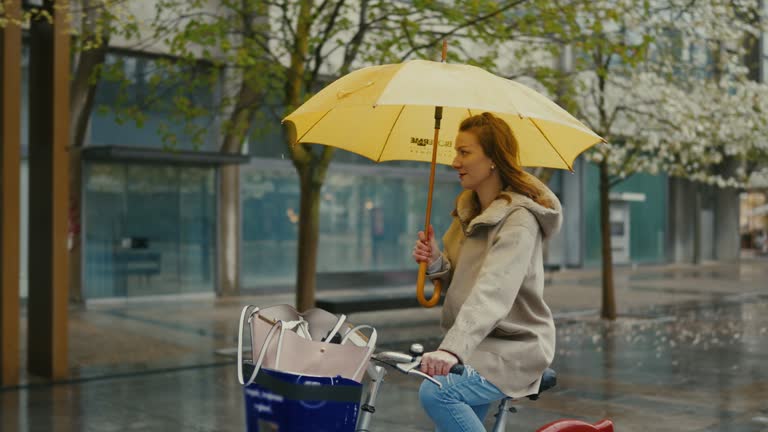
[
  {"x": 309, "y": 233},
  {"x": 608, "y": 310},
  {"x": 82, "y": 92},
  {"x": 311, "y": 169}
]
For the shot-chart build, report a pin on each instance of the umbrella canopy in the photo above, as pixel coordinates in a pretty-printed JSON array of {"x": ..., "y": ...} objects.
[{"x": 384, "y": 113}]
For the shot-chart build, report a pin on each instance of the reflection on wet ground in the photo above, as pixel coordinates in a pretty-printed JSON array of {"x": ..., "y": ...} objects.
[
  {"x": 698, "y": 363},
  {"x": 691, "y": 369}
]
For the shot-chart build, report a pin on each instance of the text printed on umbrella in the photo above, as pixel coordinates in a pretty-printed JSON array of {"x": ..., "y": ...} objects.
[{"x": 428, "y": 142}]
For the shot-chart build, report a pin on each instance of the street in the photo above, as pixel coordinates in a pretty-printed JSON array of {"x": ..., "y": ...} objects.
[{"x": 689, "y": 353}]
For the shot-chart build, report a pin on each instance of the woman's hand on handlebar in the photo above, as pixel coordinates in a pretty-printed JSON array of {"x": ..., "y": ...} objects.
[{"x": 438, "y": 363}]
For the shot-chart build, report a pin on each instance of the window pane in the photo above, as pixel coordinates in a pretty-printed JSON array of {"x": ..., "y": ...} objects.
[
  {"x": 369, "y": 218},
  {"x": 148, "y": 230}
]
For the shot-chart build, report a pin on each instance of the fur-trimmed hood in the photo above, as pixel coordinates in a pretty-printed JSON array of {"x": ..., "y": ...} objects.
[{"x": 550, "y": 219}]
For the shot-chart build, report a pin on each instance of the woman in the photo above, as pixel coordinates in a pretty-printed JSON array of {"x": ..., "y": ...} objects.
[{"x": 494, "y": 316}]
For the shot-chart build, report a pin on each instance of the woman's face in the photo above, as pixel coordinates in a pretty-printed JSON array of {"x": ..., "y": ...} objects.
[{"x": 473, "y": 166}]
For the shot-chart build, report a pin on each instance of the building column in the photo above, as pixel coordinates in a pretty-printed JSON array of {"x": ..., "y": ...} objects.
[
  {"x": 573, "y": 225},
  {"x": 727, "y": 237},
  {"x": 681, "y": 215},
  {"x": 10, "y": 163},
  {"x": 49, "y": 69},
  {"x": 229, "y": 233}
]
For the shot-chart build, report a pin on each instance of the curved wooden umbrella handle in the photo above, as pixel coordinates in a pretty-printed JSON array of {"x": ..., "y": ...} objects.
[{"x": 420, "y": 281}]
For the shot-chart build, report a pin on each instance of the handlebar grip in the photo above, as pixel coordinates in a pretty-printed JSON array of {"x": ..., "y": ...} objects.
[{"x": 457, "y": 369}]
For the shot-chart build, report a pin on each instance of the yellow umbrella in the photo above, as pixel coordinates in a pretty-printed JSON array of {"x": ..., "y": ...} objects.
[{"x": 382, "y": 113}]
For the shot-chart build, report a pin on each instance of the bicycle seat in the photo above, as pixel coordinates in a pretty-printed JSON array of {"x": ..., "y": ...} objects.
[{"x": 548, "y": 380}]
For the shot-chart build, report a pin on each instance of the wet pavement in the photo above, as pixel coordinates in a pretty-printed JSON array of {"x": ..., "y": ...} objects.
[{"x": 690, "y": 353}]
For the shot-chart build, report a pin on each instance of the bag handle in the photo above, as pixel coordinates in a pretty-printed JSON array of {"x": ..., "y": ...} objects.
[
  {"x": 278, "y": 325},
  {"x": 262, "y": 353},
  {"x": 371, "y": 345},
  {"x": 336, "y": 328},
  {"x": 301, "y": 327},
  {"x": 240, "y": 340}
]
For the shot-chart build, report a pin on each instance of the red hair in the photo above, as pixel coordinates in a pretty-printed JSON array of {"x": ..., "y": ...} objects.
[{"x": 501, "y": 146}]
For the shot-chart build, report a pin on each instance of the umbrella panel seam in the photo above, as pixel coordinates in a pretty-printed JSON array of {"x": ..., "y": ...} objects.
[
  {"x": 570, "y": 168},
  {"x": 298, "y": 140},
  {"x": 384, "y": 146}
]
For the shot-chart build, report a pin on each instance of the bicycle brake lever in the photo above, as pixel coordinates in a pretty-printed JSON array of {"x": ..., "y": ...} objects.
[
  {"x": 425, "y": 376},
  {"x": 397, "y": 360},
  {"x": 412, "y": 368},
  {"x": 407, "y": 367}
]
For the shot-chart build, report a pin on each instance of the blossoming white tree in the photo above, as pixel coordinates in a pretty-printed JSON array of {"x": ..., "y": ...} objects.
[{"x": 665, "y": 84}]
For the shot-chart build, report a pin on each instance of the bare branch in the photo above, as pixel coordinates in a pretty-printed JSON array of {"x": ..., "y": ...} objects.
[
  {"x": 334, "y": 15},
  {"x": 469, "y": 23},
  {"x": 287, "y": 26},
  {"x": 320, "y": 9},
  {"x": 350, "y": 54}
]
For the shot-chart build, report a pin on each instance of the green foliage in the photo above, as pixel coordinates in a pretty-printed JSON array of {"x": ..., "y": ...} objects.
[{"x": 248, "y": 41}]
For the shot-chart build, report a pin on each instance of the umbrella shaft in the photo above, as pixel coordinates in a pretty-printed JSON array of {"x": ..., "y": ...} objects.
[
  {"x": 438, "y": 118},
  {"x": 435, "y": 299}
]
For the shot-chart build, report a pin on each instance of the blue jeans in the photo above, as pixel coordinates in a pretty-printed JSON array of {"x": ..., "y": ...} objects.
[{"x": 462, "y": 403}]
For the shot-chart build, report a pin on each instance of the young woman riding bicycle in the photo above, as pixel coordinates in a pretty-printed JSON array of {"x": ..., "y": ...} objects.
[{"x": 494, "y": 316}]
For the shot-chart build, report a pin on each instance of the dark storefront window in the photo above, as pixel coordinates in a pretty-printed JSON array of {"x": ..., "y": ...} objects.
[{"x": 148, "y": 230}]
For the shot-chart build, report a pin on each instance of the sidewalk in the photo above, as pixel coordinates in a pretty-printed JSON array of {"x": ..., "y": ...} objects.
[
  {"x": 124, "y": 336},
  {"x": 687, "y": 354}
]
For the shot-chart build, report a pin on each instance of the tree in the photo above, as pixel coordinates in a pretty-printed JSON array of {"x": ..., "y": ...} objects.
[
  {"x": 728, "y": 106},
  {"x": 284, "y": 51},
  {"x": 233, "y": 41},
  {"x": 604, "y": 60},
  {"x": 628, "y": 83}
]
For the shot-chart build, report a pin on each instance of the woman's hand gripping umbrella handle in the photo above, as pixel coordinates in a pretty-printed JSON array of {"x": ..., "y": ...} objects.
[{"x": 422, "y": 278}]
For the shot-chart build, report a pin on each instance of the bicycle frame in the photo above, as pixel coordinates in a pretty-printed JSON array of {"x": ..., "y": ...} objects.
[
  {"x": 377, "y": 374},
  {"x": 368, "y": 407}
]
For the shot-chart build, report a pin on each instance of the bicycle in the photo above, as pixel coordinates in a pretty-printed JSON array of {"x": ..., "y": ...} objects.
[{"x": 409, "y": 364}]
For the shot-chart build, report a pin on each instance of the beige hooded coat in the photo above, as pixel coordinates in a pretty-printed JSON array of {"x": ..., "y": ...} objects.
[{"x": 494, "y": 313}]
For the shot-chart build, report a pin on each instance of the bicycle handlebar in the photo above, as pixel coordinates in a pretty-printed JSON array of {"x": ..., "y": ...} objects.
[{"x": 414, "y": 361}]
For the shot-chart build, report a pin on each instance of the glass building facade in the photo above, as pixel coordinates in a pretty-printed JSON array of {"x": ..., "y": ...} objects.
[
  {"x": 369, "y": 216},
  {"x": 150, "y": 228}
]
